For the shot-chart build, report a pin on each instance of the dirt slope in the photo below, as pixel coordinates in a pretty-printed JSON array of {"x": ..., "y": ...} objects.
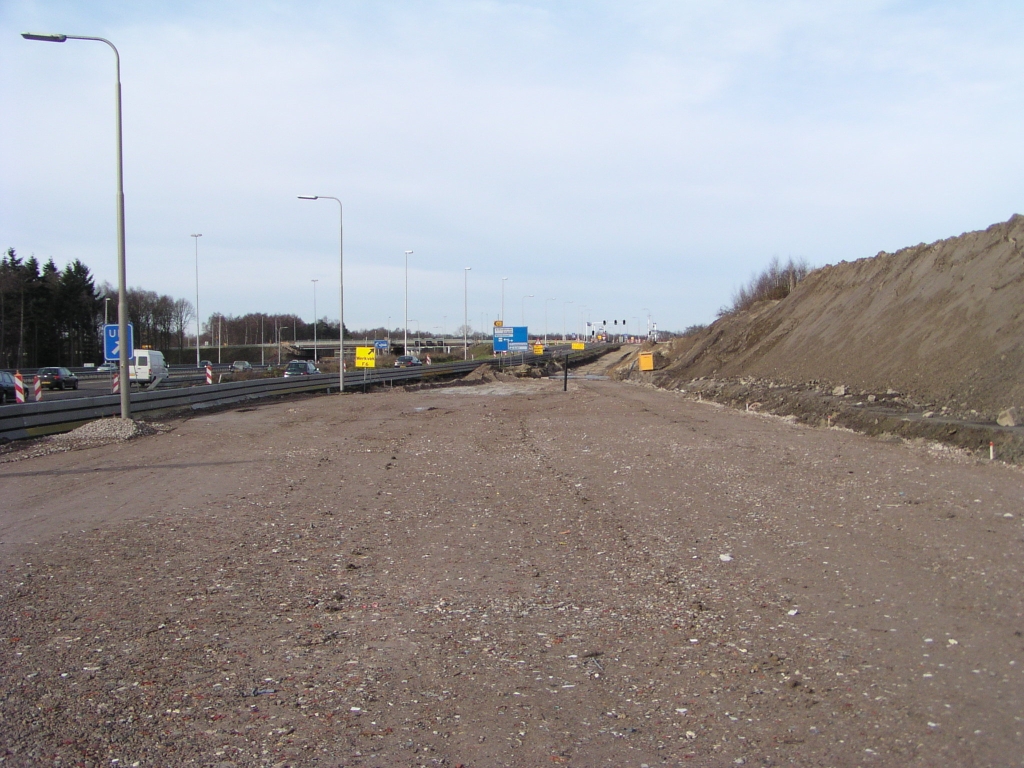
[{"x": 942, "y": 322}]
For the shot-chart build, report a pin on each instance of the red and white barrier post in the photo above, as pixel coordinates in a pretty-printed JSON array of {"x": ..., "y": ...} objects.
[
  {"x": 19, "y": 388},
  {"x": 209, "y": 374},
  {"x": 37, "y": 387},
  {"x": 115, "y": 383}
]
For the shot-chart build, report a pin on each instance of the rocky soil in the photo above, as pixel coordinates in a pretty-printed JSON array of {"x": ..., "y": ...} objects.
[{"x": 506, "y": 574}]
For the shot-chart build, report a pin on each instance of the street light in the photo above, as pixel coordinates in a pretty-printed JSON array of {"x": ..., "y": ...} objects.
[
  {"x": 524, "y": 311},
  {"x": 465, "y": 312},
  {"x": 648, "y": 322},
  {"x": 546, "y": 320},
  {"x": 106, "y": 306},
  {"x": 122, "y": 294},
  {"x": 503, "y": 299},
  {"x": 341, "y": 285},
  {"x": 282, "y": 328},
  {"x": 315, "y": 280},
  {"x": 405, "y": 337},
  {"x": 199, "y": 327},
  {"x": 563, "y": 318}
]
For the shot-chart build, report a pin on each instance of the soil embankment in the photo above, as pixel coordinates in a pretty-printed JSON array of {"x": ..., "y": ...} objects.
[
  {"x": 924, "y": 342},
  {"x": 942, "y": 323}
]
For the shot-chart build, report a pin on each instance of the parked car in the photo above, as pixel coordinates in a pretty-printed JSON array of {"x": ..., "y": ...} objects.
[
  {"x": 7, "y": 391},
  {"x": 241, "y": 365},
  {"x": 57, "y": 378},
  {"x": 407, "y": 361},
  {"x": 300, "y": 368}
]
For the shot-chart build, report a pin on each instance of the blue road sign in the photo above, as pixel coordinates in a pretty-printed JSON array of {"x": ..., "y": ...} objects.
[
  {"x": 510, "y": 338},
  {"x": 382, "y": 345},
  {"x": 111, "y": 349}
]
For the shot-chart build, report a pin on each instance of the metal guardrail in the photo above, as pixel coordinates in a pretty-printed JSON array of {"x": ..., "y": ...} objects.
[{"x": 36, "y": 419}]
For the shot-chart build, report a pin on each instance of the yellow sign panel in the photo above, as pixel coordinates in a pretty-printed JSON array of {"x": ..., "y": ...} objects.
[
  {"x": 578, "y": 345},
  {"x": 366, "y": 357},
  {"x": 499, "y": 323},
  {"x": 538, "y": 349},
  {"x": 646, "y": 361}
]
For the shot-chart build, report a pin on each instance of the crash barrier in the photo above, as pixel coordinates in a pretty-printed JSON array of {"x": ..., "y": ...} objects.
[{"x": 43, "y": 418}]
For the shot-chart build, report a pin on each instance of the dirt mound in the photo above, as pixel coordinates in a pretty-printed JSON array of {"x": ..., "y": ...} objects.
[
  {"x": 481, "y": 375},
  {"x": 942, "y": 322}
]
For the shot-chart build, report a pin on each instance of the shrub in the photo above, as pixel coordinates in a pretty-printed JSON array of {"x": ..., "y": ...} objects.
[{"x": 776, "y": 282}]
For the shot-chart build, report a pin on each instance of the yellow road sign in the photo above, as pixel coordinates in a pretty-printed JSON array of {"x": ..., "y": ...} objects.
[
  {"x": 538, "y": 349},
  {"x": 578, "y": 345},
  {"x": 499, "y": 323},
  {"x": 646, "y": 361},
  {"x": 366, "y": 357}
]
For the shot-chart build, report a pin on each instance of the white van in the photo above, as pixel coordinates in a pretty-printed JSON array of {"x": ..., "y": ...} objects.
[{"x": 147, "y": 365}]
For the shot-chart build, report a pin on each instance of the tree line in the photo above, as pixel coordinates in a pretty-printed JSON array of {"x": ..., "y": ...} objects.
[{"x": 50, "y": 316}]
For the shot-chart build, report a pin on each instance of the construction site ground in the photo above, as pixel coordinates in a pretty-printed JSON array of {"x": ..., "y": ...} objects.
[{"x": 506, "y": 574}]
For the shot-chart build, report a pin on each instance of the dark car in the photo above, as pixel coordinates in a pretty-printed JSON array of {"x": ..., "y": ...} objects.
[
  {"x": 205, "y": 364},
  {"x": 7, "y": 392},
  {"x": 300, "y": 368},
  {"x": 407, "y": 361},
  {"x": 57, "y": 378}
]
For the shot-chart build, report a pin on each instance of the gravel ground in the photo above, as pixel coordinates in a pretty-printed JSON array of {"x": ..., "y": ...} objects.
[{"x": 510, "y": 575}]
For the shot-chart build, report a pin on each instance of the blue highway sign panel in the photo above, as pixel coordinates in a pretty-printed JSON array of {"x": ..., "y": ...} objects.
[{"x": 111, "y": 348}]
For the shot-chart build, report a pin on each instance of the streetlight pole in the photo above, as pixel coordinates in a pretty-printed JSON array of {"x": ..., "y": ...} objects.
[
  {"x": 405, "y": 337},
  {"x": 503, "y": 299},
  {"x": 563, "y": 318},
  {"x": 199, "y": 327},
  {"x": 122, "y": 293},
  {"x": 341, "y": 285},
  {"x": 282, "y": 328},
  {"x": 315, "y": 280},
  {"x": 106, "y": 306},
  {"x": 523, "y": 315},
  {"x": 546, "y": 320},
  {"x": 465, "y": 312},
  {"x": 648, "y": 322}
]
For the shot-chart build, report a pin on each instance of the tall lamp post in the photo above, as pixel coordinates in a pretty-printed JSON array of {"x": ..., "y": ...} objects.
[
  {"x": 648, "y": 322},
  {"x": 465, "y": 312},
  {"x": 315, "y": 280},
  {"x": 523, "y": 314},
  {"x": 503, "y": 299},
  {"x": 341, "y": 285},
  {"x": 546, "y": 320},
  {"x": 282, "y": 328},
  {"x": 122, "y": 295},
  {"x": 405, "y": 337},
  {"x": 566, "y": 304},
  {"x": 199, "y": 327}
]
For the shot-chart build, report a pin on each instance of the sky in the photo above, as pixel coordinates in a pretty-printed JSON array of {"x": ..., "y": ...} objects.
[{"x": 641, "y": 160}]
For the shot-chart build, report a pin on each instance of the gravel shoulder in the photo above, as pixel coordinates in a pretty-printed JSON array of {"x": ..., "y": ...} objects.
[{"x": 509, "y": 575}]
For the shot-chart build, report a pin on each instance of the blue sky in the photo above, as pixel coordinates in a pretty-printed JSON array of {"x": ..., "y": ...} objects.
[{"x": 622, "y": 156}]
